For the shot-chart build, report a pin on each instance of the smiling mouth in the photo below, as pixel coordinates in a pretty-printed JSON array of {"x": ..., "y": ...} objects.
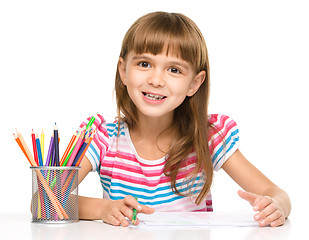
[{"x": 153, "y": 96}]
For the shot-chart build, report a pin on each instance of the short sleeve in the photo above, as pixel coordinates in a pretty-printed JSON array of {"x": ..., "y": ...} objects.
[
  {"x": 223, "y": 139},
  {"x": 100, "y": 142}
]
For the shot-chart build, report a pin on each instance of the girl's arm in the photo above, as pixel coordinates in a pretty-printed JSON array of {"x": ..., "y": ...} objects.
[
  {"x": 112, "y": 212},
  {"x": 271, "y": 202}
]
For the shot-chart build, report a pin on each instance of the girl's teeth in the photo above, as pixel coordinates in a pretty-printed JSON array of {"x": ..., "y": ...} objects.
[{"x": 153, "y": 97}]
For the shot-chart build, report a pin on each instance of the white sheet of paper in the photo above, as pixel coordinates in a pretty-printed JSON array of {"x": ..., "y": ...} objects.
[{"x": 198, "y": 219}]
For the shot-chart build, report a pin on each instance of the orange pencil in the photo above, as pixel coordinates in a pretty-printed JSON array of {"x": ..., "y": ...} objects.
[
  {"x": 59, "y": 209},
  {"x": 68, "y": 148},
  {"x": 21, "y": 147},
  {"x": 23, "y": 143}
]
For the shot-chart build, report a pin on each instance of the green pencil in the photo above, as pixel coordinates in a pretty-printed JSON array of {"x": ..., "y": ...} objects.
[
  {"x": 90, "y": 123},
  {"x": 134, "y": 214}
]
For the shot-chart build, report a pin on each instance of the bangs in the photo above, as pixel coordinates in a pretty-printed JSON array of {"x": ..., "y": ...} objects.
[{"x": 167, "y": 33}]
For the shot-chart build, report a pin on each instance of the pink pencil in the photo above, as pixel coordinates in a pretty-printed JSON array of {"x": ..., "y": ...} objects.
[{"x": 76, "y": 147}]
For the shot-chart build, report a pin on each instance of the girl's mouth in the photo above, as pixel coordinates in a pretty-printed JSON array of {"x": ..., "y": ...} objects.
[{"x": 154, "y": 97}]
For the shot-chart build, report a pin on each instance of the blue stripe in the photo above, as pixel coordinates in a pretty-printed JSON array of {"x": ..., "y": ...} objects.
[
  {"x": 178, "y": 185},
  {"x": 110, "y": 190},
  {"x": 115, "y": 129},
  {"x": 141, "y": 197},
  {"x": 112, "y": 129},
  {"x": 226, "y": 143},
  {"x": 150, "y": 203},
  {"x": 114, "y": 134},
  {"x": 97, "y": 158},
  {"x": 231, "y": 146}
]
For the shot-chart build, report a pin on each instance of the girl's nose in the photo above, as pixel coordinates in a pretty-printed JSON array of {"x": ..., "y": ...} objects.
[{"x": 156, "y": 79}]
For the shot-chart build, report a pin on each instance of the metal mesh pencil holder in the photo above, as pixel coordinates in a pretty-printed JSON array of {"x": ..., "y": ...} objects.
[{"x": 54, "y": 194}]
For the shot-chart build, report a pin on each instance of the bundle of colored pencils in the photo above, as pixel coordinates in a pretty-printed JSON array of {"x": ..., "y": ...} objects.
[{"x": 72, "y": 156}]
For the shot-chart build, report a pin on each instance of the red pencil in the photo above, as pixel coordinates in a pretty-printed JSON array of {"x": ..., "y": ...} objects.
[{"x": 36, "y": 159}]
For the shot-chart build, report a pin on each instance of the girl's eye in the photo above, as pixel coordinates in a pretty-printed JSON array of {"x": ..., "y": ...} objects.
[
  {"x": 174, "y": 70},
  {"x": 144, "y": 64}
]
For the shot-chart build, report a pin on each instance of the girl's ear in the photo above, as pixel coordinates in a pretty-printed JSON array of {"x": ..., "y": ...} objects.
[
  {"x": 122, "y": 70},
  {"x": 196, "y": 83}
]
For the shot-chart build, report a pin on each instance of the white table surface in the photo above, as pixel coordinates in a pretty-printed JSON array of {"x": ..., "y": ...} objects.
[{"x": 19, "y": 226}]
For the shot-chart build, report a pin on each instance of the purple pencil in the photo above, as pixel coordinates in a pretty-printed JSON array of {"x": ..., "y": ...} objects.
[{"x": 50, "y": 151}]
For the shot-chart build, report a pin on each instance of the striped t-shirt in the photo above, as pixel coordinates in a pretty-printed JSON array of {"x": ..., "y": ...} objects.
[{"x": 122, "y": 172}]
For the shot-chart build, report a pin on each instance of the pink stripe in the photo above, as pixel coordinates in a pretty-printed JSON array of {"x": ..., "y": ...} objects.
[
  {"x": 137, "y": 169},
  {"x": 97, "y": 143},
  {"x": 133, "y": 169},
  {"x": 82, "y": 124},
  {"x": 129, "y": 157},
  {"x": 218, "y": 139},
  {"x": 100, "y": 140},
  {"x": 140, "y": 180},
  {"x": 222, "y": 120},
  {"x": 121, "y": 155},
  {"x": 134, "y": 180},
  {"x": 200, "y": 210},
  {"x": 103, "y": 130},
  {"x": 186, "y": 168}
]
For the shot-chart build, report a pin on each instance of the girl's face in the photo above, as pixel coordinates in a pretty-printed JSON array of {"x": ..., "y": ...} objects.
[{"x": 157, "y": 84}]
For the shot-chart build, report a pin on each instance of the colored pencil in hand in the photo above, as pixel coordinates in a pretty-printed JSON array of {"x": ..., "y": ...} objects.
[{"x": 134, "y": 214}]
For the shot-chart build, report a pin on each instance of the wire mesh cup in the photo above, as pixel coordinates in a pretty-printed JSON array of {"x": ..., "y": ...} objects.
[{"x": 54, "y": 194}]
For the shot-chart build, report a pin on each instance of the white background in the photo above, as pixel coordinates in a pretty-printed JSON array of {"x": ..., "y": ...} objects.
[{"x": 58, "y": 61}]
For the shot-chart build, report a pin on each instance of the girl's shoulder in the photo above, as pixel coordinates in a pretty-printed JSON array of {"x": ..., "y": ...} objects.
[
  {"x": 223, "y": 138},
  {"x": 221, "y": 124},
  {"x": 109, "y": 129}
]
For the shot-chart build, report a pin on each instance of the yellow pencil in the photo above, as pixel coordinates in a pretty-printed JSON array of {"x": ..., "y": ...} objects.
[
  {"x": 58, "y": 207},
  {"x": 42, "y": 144}
]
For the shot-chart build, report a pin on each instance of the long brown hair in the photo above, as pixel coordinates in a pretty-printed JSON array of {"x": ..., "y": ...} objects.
[{"x": 176, "y": 34}]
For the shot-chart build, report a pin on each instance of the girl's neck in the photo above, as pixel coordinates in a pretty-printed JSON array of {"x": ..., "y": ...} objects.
[
  {"x": 151, "y": 128},
  {"x": 152, "y": 138}
]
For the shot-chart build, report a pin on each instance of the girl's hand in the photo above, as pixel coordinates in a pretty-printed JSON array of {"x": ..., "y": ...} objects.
[
  {"x": 269, "y": 209},
  {"x": 116, "y": 211}
]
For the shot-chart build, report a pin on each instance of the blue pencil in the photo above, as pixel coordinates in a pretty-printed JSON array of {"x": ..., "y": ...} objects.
[
  {"x": 38, "y": 147},
  {"x": 80, "y": 152},
  {"x": 56, "y": 146}
]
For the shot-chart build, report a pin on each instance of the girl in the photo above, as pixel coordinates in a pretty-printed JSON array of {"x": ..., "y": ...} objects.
[{"x": 164, "y": 146}]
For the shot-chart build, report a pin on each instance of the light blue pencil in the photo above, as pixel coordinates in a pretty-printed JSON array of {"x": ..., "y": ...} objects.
[{"x": 38, "y": 147}]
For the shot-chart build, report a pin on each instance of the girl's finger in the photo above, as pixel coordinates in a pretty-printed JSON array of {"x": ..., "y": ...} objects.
[
  {"x": 250, "y": 197},
  {"x": 112, "y": 220},
  {"x": 271, "y": 218},
  {"x": 132, "y": 202},
  {"x": 123, "y": 221},
  {"x": 261, "y": 203},
  {"x": 279, "y": 222},
  {"x": 270, "y": 209},
  {"x": 127, "y": 211}
]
